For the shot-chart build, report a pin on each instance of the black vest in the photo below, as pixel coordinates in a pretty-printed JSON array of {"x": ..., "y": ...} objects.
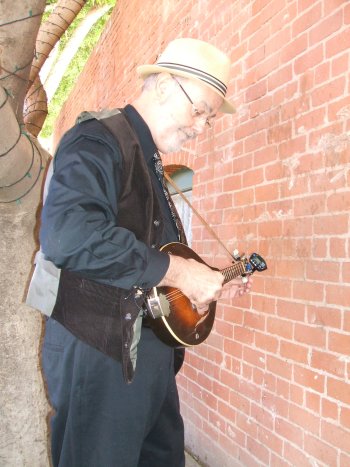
[{"x": 103, "y": 316}]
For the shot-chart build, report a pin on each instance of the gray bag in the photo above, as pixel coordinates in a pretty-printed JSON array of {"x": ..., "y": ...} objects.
[{"x": 42, "y": 291}]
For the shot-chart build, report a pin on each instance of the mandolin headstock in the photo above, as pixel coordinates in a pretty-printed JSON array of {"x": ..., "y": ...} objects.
[{"x": 255, "y": 263}]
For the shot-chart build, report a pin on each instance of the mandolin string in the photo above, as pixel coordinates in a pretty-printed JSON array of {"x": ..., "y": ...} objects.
[
  {"x": 229, "y": 273},
  {"x": 174, "y": 294}
]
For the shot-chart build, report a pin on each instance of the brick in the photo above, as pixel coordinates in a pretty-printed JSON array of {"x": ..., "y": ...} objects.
[
  {"x": 247, "y": 459},
  {"x": 295, "y": 455},
  {"x": 291, "y": 310},
  {"x": 335, "y": 435},
  {"x": 325, "y": 28},
  {"x": 279, "y": 133},
  {"x": 254, "y": 357},
  {"x": 338, "y": 202},
  {"x": 306, "y": 20},
  {"x": 282, "y": 388},
  {"x": 324, "y": 271},
  {"x": 264, "y": 304},
  {"x": 280, "y": 327},
  {"x": 310, "y": 335},
  {"x": 309, "y": 59},
  {"x": 320, "y": 450},
  {"x": 279, "y": 367},
  {"x": 275, "y": 171},
  {"x": 309, "y": 162},
  {"x": 295, "y": 352},
  {"x": 310, "y": 205},
  {"x": 319, "y": 248},
  {"x": 254, "y": 320},
  {"x": 309, "y": 379},
  {"x": 337, "y": 248},
  {"x": 224, "y": 329},
  {"x": 329, "y": 410},
  {"x": 233, "y": 435},
  {"x": 347, "y": 320},
  {"x": 258, "y": 450},
  {"x": 338, "y": 43},
  {"x": 306, "y": 420},
  {"x": 347, "y": 14},
  {"x": 241, "y": 198},
  {"x": 309, "y": 120},
  {"x": 322, "y": 73},
  {"x": 336, "y": 295},
  {"x": 292, "y": 269},
  {"x": 345, "y": 417},
  {"x": 247, "y": 425},
  {"x": 262, "y": 416},
  {"x": 338, "y": 110},
  {"x": 228, "y": 378},
  {"x": 266, "y": 342},
  {"x": 239, "y": 402},
  {"x": 279, "y": 77},
  {"x": 267, "y": 192},
  {"x": 256, "y": 91},
  {"x": 313, "y": 401},
  {"x": 309, "y": 291},
  {"x": 323, "y": 94},
  {"x": 270, "y": 229},
  {"x": 327, "y": 362},
  {"x": 269, "y": 439},
  {"x": 299, "y": 227},
  {"x": 255, "y": 142},
  {"x": 325, "y": 316},
  {"x": 244, "y": 335},
  {"x": 344, "y": 459},
  {"x": 339, "y": 343},
  {"x": 278, "y": 288},
  {"x": 288, "y": 431},
  {"x": 252, "y": 212},
  {"x": 292, "y": 49},
  {"x": 297, "y": 394},
  {"x": 339, "y": 390}
]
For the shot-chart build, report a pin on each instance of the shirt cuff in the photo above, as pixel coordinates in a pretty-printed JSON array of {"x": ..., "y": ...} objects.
[{"x": 158, "y": 264}]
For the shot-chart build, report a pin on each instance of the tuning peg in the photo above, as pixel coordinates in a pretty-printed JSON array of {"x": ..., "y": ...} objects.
[{"x": 235, "y": 254}]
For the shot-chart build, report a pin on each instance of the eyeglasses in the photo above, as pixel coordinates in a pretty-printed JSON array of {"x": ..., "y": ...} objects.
[{"x": 197, "y": 113}]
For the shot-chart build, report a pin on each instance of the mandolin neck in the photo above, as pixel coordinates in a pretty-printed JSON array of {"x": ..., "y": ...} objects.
[{"x": 230, "y": 273}]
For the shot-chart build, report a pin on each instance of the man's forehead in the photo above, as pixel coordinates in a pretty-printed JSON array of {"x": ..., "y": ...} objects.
[{"x": 206, "y": 97}]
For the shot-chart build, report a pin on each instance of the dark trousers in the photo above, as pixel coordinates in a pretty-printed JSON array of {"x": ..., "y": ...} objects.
[{"x": 99, "y": 420}]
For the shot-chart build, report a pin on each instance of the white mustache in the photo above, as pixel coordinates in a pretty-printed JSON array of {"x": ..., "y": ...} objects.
[{"x": 190, "y": 135}]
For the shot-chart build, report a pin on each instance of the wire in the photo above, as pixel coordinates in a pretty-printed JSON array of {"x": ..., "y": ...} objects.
[
  {"x": 20, "y": 19},
  {"x": 18, "y": 199}
]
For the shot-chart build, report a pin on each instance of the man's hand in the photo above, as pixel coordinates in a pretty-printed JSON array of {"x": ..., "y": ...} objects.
[
  {"x": 238, "y": 287},
  {"x": 198, "y": 282},
  {"x": 201, "y": 284}
]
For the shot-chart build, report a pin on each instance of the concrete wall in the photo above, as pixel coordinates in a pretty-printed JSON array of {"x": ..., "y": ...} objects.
[{"x": 271, "y": 384}]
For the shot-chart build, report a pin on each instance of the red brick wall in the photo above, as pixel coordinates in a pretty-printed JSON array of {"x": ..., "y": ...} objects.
[{"x": 271, "y": 384}]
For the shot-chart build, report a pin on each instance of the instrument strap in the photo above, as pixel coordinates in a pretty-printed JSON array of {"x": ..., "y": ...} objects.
[{"x": 206, "y": 225}]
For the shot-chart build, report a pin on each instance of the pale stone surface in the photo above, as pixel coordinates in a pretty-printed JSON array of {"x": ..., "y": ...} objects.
[{"x": 24, "y": 408}]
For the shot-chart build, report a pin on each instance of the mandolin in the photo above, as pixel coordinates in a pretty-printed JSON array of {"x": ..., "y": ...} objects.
[{"x": 175, "y": 320}]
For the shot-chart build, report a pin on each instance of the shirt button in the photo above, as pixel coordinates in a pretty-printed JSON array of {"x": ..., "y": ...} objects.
[{"x": 156, "y": 222}]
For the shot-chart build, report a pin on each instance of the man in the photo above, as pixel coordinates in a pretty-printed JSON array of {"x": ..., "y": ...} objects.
[{"x": 110, "y": 380}]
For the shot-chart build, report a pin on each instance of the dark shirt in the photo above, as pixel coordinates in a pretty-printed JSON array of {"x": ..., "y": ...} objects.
[
  {"x": 149, "y": 148},
  {"x": 79, "y": 230}
]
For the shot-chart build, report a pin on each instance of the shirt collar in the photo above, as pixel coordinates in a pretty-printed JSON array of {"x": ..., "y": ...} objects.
[{"x": 144, "y": 135}]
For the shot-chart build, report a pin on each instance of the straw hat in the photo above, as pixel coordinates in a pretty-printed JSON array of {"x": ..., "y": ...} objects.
[{"x": 195, "y": 59}]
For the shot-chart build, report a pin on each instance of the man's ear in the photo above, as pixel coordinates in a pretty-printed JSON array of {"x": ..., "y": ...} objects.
[{"x": 164, "y": 87}]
